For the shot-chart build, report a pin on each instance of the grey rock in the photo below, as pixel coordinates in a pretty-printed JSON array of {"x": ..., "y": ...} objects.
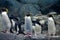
[{"x": 4, "y": 36}]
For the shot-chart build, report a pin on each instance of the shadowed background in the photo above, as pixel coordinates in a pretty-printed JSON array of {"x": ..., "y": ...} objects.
[{"x": 20, "y": 7}]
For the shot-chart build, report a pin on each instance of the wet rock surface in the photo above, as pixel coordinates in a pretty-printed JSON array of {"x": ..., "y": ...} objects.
[{"x": 4, "y": 36}]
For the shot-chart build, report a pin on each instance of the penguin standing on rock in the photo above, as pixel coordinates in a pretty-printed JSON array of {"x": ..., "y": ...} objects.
[
  {"x": 28, "y": 24},
  {"x": 6, "y": 24},
  {"x": 51, "y": 26},
  {"x": 14, "y": 24}
]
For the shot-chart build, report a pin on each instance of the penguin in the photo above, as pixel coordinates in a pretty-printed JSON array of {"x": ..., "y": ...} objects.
[
  {"x": 12, "y": 29},
  {"x": 38, "y": 29},
  {"x": 51, "y": 26},
  {"x": 6, "y": 24},
  {"x": 14, "y": 24},
  {"x": 28, "y": 25}
]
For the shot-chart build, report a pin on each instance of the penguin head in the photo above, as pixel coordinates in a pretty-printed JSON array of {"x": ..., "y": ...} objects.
[
  {"x": 50, "y": 15},
  {"x": 28, "y": 14},
  {"x": 5, "y": 10}
]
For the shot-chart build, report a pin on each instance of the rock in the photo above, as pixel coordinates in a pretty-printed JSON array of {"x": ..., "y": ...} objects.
[{"x": 4, "y": 36}]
